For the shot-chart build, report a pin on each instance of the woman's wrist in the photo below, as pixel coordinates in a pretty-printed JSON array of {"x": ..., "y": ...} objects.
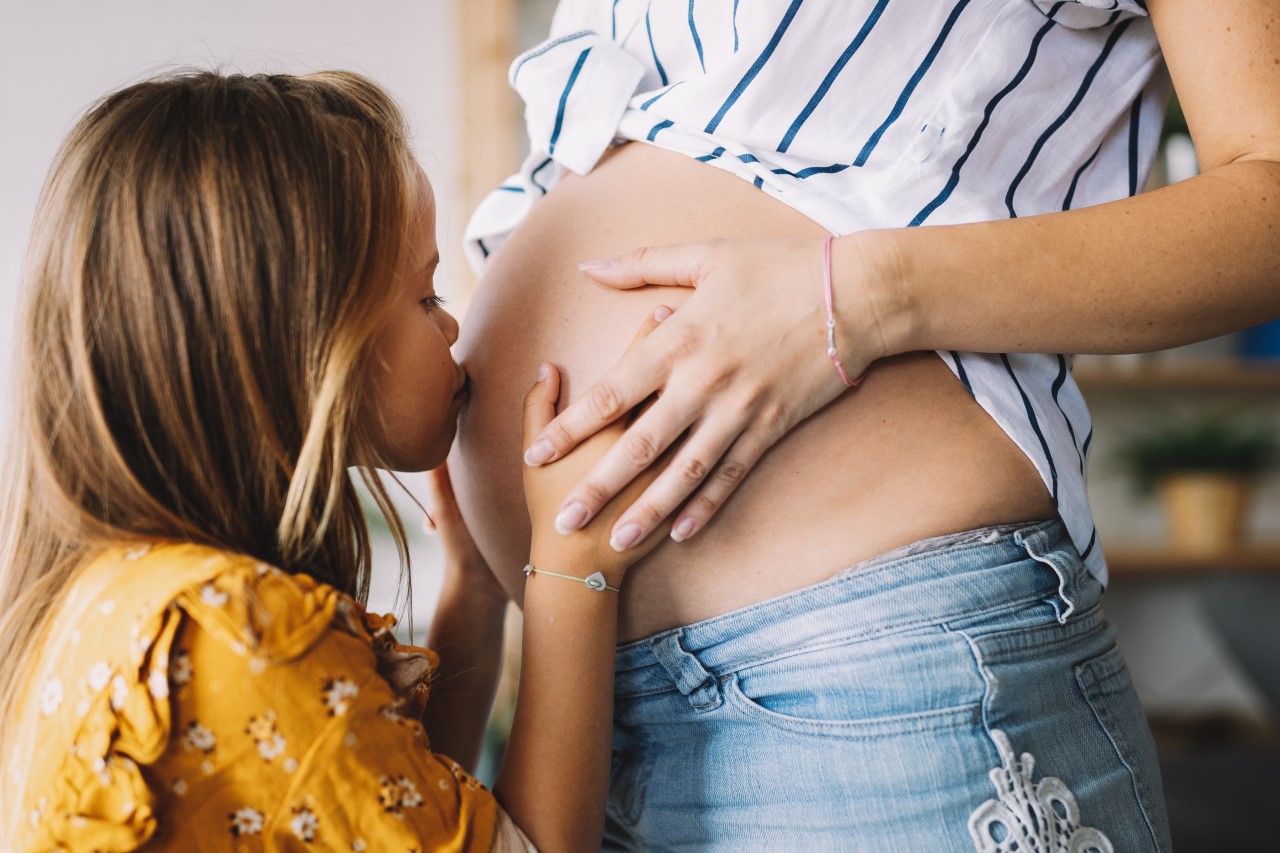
[{"x": 873, "y": 300}]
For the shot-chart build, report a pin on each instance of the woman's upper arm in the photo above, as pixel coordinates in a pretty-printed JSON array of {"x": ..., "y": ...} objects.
[{"x": 1224, "y": 58}]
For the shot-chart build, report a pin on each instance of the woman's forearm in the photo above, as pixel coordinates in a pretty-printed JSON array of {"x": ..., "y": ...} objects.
[{"x": 1180, "y": 264}]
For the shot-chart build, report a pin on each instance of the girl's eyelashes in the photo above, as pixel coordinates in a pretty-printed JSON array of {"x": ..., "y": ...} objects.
[{"x": 432, "y": 302}]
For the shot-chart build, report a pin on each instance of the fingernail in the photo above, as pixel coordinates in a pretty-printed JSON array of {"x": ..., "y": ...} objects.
[
  {"x": 543, "y": 372},
  {"x": 661, "y": 313},
  {"x": 599, "y": 264},
  {"x": 571, "y": 518},
  {"x": 625, "y": 537},
  {"x": 683, "y": 529},
  {"x": 428, "y": 526},
  {"x": 541, "y": 451}
]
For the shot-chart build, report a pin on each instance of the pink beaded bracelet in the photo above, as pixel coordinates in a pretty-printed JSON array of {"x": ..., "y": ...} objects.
[{"x": 831, "y": 315}]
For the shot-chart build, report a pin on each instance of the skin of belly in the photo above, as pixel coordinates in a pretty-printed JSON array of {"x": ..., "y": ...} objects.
[{"x": 906, "y": 455}]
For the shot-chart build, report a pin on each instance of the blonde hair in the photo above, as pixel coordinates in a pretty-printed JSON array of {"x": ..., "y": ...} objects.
[{"x": 201, "y": 293}]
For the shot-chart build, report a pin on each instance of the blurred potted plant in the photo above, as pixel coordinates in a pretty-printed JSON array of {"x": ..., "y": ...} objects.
[{"x": 1205, "y": 470}]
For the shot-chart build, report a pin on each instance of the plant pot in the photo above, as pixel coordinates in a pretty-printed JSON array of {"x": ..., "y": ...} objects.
[{"x": 1205, "y": 512}]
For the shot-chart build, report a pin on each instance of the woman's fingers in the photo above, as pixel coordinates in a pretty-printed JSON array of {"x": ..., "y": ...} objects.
[
  {"x": 640, "y": 372},
  {"x": 540, "y": 402},
  {"x": 727, "y": 476},
  {"x": 682, "y": 265},
  {"x": 636, "y": 450},
  {"x": 698, "y": 455}
]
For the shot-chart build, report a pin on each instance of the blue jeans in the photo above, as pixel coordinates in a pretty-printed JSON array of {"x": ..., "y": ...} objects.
[{"x": 961, "y": 694}]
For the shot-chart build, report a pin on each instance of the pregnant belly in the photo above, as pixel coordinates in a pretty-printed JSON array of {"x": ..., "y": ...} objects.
[{"x": 906, "y": 455}]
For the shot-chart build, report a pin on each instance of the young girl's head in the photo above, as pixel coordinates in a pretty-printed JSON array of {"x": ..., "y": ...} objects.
[{"x": 230, "y": 301}]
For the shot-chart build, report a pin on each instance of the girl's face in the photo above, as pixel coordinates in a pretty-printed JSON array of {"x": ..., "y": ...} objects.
[{"x": 418, "y": 389}]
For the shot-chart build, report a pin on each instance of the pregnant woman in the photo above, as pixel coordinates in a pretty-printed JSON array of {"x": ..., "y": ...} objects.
[{"x": 889, "y": 639}]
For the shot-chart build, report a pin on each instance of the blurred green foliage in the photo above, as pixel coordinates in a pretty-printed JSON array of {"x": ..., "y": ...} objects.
[{"x": 1220, "y": 443}]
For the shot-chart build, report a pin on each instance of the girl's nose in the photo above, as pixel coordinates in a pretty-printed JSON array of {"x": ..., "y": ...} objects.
[{"x": 449, "y": 325}]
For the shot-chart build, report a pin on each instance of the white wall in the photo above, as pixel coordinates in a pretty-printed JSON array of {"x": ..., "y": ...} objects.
[{"x": 58, "y": 57}]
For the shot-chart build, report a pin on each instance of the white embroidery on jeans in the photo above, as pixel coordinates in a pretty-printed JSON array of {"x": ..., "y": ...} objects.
[{"x": 1039, "y": 818}]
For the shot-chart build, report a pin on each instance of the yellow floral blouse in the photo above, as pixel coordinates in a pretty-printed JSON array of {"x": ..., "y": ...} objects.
[{"x": 190, "y": 699}]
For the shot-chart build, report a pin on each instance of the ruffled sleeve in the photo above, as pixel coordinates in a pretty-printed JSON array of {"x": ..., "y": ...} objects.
[
  {"x": 97, "y": 710},
  {"x": 233, "y": 703}
]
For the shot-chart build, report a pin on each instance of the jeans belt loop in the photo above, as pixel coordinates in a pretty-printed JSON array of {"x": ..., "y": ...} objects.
[
  {"x": 1036, "y": 543},
  {"x": 690, "y": 677}
]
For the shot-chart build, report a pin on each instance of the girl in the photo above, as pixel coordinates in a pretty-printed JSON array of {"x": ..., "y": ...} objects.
[{"x": 230, "y": 302}]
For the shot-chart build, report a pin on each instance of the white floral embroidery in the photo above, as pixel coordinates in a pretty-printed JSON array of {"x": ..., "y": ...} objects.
[
  {"x": 213, "y": 596},
  {"x": 257, "y": 666},
  {"x": 1043, "y": 817},
  {"x": 180, "y": 670},
  {"x": 107, "y": 607},
  {"x": 158, "y": 684},
  {"x": 290, "y": 764},
  {"x": 206, "y": 767},
  {"x": 119, "y": 692},
  {"x": 102, "y": 768},
  {"x": 138, "y": 552},
  {"x": 50, "y": 696},
  {"x": 392, "y": 711},
  {"x": 349, "y": 740},
  {"x": 304, "y": 824},
  {"x": 272, "y": 748},
  {"x": 199, "y": 737},
  {"x": 75, "y": 637},
  {"x": 82, "y": 708},
  {"x": 37, "y": 814},
  {"x": 358, "y": 846},
  {"x": 262, "y": 568},
  {"x": 336, "y": 693},
  {"x": 271, "y": 744},
  {"x": 396, "y": 795},
  {"x": 180, "y": 787},
  {"x": 99, "y": 675},
  {"x": 247, "y": 821}
]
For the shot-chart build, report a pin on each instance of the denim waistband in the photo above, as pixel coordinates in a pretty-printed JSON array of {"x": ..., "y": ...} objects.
[{"x": 927, "y": 582}]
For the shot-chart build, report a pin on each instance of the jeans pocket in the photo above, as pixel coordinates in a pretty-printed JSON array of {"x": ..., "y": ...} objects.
[
  {"x": 1105, "y": 685},
  {"x": 913, "y": 681},
  {"x": 628, "y": 782}
]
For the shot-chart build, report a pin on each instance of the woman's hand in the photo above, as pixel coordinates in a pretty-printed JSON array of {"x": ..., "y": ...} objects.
[
  {"x": 740, "y": 364},
  {"x": 587, "y": 549}
]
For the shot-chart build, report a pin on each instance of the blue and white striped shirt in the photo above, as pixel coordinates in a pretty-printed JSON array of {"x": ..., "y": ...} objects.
[{"x": 870, "y": 114}]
